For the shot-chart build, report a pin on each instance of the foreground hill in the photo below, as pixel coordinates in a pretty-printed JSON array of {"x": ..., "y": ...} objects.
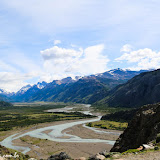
[
  {"x": 142, "y": 129},
  {"x": 140, "y": 90},
  {"x": 5, "y": 152},
  {"x": 4, "y": 105}
]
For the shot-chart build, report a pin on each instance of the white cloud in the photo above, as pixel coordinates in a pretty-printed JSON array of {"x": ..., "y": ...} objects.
[
  {"x": 126, "y": 48},
  {"x": 16, "y": 69},
  {"x": 12, "y": 82},
  {"x": 57, "y": 42},
  {"x": 60, "y": 53},
  {"x": 6, "y": 67},
  {"x": 142, "y": 58},
  {"x": 59, "y": 15},
  {"x": 62, "y": 62}
]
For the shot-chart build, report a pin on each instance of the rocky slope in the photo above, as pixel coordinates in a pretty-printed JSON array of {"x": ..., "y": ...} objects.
[
  {"x": 140, "y": 90},
  {"x": 142, "y": 129}
]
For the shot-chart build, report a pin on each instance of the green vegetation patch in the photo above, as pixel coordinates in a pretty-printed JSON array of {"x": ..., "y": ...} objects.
[
  {"x": 108, "y": 110},
  {"x": 13, "y": 154},
  {"x": 131, "y": 151},
  {"x": 23, "y": 115},
  {"x": 108, "y": 125}
]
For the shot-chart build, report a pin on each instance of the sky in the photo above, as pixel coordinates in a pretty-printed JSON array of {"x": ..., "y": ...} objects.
[{"x": 52, "y": 39}]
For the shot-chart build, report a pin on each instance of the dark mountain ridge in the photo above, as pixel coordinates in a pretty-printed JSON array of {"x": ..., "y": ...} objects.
[{"x": 140, "y": 90}]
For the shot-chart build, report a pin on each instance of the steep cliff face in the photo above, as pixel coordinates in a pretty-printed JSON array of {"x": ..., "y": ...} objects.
[{"x": 142, "y": 129}]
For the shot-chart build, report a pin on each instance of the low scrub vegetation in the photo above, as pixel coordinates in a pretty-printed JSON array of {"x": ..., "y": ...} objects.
[
  {"x": 12, "y": 154},
  {"x": 108, "y": 125},
  {"x": 108, "y": 110},
  {"x": 20, "y": 116}
]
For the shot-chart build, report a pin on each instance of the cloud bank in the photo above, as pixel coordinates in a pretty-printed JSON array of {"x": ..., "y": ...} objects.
[
  {"x": 61, "y": 62},
  {"x": 141, "y": 59}
]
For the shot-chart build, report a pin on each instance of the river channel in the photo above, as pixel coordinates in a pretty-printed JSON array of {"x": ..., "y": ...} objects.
[{"x": 55, "y": 134}]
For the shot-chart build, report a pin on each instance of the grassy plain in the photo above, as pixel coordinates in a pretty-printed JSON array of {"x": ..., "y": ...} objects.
[
  {"x": 107, "y": 110},
  {"x": 23, "y": 114},
  {"x": 109, "y": 125}
]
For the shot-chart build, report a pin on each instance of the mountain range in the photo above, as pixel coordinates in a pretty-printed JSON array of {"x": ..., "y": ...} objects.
[{"x": 88, "y": 89}]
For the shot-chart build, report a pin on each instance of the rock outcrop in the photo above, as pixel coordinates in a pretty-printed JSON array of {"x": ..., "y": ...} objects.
[
  {"x": 124, "y": 116},
  {"x": 142, "y": 129},
  {"x": 61, "y": 156},
  {"x": 97, "y": 157}
]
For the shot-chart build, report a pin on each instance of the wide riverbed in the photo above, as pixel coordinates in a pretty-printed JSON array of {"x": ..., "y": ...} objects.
[{"x": 55, "y": 134}]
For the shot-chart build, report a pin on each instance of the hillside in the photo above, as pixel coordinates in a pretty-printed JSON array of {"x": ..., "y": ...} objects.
[
  {"x": 121, "y": 116},
  {"x": 85, "y": 90},
  {"x": 13, "y": 154},
  {"x": 4, "y": 104},
  {"x": 142, "y": 129},
  {"x": 140, "y": 90}
]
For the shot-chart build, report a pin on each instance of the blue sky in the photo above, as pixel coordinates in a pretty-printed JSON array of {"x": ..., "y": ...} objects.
[{"x": 51, "y": 39}]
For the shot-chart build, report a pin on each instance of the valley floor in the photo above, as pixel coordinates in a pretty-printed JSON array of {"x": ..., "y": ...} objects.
[{"x": 41, "y": 148}]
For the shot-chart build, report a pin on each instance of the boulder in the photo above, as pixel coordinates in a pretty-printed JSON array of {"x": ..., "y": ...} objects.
[
  {"x": 97, "y": 157},
  {"x": 146, "y": 146},
  {"x": 104, "y": 153},
  {"x": 61, "y": 156},
  {"x": 81, "y": 158}
]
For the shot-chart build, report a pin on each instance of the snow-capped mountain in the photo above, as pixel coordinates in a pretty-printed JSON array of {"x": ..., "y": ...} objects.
[
  {"x": 86, "y": 86},
  {"x": 6, "y": 93},
  {"x": 41, "y": 85},
  {"x": 24, "y": 89},
  {"x": 119, "y": 74}
]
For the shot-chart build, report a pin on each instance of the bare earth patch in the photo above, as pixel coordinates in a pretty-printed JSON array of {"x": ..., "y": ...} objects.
[
  {"x": 44, "y": 148},
  {"x": 83, "y": 132}
]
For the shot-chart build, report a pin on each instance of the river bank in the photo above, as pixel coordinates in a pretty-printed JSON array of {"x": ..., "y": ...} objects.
[{"x": 42, "y": 140}]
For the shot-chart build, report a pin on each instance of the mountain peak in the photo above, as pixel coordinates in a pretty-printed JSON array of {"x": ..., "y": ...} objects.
[
  {"x": 41, "y": 85},
  {"x": 24, "y": 89}
]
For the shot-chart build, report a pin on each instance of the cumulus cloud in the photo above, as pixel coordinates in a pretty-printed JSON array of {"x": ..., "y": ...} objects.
[
  {"x": 57, "y": 42},
  {"x": 62, "y": 62},
  {"x": 143, "y": 59},
  {"x": 60, "y": 53},
  {"x": 126, "y": 48}
]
